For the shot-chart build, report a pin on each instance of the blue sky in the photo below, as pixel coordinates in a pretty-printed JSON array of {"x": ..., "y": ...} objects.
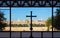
[{"x": 20, "y": 13}]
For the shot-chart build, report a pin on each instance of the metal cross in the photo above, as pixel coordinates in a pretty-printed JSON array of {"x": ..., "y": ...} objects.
[{"x": 31, "y": 23}]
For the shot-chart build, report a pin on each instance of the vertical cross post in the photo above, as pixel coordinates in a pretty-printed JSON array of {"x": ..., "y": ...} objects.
[{"x": 31, "y": 23}]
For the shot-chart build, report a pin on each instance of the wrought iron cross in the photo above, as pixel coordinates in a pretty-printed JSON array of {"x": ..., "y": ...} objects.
[{"x": 31, "y": 23}]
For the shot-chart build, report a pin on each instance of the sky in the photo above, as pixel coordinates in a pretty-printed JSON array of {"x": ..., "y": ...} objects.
[{"x": 20, "y": 13}]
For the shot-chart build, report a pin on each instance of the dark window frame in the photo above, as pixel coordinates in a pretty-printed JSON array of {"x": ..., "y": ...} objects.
[{"x": 10, "y": 6}]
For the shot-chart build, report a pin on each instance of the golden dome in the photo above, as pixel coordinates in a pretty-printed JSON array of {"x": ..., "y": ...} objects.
[{"x": 26, "y": 21}]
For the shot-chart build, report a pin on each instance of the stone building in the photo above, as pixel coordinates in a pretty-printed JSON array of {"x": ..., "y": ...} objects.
[{"x": 26, "y": 22}]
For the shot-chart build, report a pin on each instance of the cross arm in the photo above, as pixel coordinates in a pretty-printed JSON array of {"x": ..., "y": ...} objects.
[{"x": 31, "y": 16}]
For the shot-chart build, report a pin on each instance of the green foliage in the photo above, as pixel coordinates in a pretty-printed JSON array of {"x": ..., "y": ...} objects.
[
  {"x": 35, "y": 25},
  {"x": 56, "y": 22},
  {"x": 15, "y": 25},
  {"x": 48, "y": 23},
  {"x": 42, "y": 25},
  {"x": 26, "y": 25},
  {"x": 2, "y": 19},
  {"x": 18, "y": 25},
  {"x": 38, "y": 25}
]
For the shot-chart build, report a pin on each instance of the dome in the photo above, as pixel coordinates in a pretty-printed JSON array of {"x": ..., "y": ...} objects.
[{"x": 26, "y": 21}]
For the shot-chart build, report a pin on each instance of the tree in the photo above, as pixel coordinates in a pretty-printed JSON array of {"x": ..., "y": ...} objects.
[
  {"x": 48, "y": 23},
  {"x": 2, "y": 23},
  {"x": 56, "y": 22}
]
